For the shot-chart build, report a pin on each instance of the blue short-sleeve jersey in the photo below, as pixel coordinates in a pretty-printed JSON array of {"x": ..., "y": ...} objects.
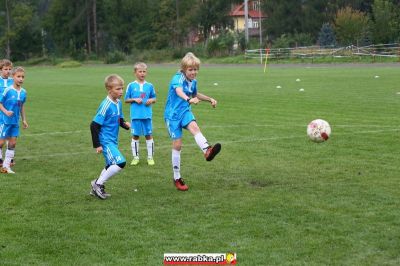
[
  {"x": 108, "y": 115},
  {"x": 5, "y": 83},
  {"x": 145, "y": 91},
  {"x": 175, "y": 106},
  {"x": 12, "y": 100}
]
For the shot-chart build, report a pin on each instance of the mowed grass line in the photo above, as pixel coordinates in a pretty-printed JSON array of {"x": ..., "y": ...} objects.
[{"x": 271, "y": 196}]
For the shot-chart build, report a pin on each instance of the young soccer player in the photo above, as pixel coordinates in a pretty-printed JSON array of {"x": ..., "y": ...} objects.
[
  {"x": 5, "y": 81},
  {"x": 140, "y": 94},
  {"x": 104, "y": 129},
  {"x": 12, "y": 102},
  {"x": 178, "y": 114},
  {"x": 5, "y": 70}
]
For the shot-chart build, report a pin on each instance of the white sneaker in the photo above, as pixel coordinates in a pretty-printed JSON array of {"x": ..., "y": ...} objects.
[
  {"x": 98, "y": 190},
  {"x": 5, "y": 170}
]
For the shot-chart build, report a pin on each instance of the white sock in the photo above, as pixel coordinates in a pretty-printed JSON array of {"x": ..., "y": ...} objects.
[
  {"x": 201, "y": 142},
  {"x": 1, "y": 153},
  {"x": 150, "y": 148},
  {"x": 9, "y": 157},
  {"x": 176, "y": 164},
  {"x": 112, "y": 170},
  {"x": 135, "y": 147}
]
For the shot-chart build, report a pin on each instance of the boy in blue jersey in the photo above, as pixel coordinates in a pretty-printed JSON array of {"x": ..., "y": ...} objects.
[
  {"x": 12, "y": 102},
  {"x": 178, "y": 114},
  {"x": 5, "y": 70},
  {"x": 104, "y": 129},
  {"x": 140, "y": 94},
  {"x": 5, "y": 82}
]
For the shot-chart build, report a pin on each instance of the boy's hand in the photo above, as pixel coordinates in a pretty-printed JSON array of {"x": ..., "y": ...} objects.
[
  {"x": 128, "y": 124},
  {"x": 99, "y": 149},
  {"x": 194, "y": 100},
  {"x": 138, "y": 100},
  {"x": 213, "y": 102},
  {"x": 24, "y": 124},
  {"x": 9, "y": 113},
  {"x": 149, "y": 102}
]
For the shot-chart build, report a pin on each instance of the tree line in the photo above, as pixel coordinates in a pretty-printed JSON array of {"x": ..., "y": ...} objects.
[{"x": 85, "y": 29}]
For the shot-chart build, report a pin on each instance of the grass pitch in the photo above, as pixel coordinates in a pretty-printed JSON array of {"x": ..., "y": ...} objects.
[{"x": 272, "y": 196}]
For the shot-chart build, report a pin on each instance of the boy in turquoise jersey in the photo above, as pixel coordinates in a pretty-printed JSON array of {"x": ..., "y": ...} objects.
[
  {"x": 140, "y": 94},
  {"x": 104, "y": 129},
  {"x": 5, "y": 70},
  {"x": 178, "y": 114},
  {"x": 12, "y": 102},
  {"x": 5, "y": 82}
]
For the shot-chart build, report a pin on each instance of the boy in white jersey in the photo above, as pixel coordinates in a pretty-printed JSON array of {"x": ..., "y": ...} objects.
[
  {"x": 140, "y": 94},
  {"x": 12, "y": 102},
  {"x": 178, "y": 114},
  {"x": 104, "y": 129}
]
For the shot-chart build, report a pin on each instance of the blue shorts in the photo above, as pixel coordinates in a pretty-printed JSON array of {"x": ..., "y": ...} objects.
[
  {"x": 141, "y": 127},
  {"x": 9, "y": 131},
  {"x": 175, "y": 126},
  {"x": 112, "y": 154}
]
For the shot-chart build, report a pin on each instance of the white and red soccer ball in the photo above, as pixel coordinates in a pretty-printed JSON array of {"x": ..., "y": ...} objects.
[{"x": 318, "y": 130}]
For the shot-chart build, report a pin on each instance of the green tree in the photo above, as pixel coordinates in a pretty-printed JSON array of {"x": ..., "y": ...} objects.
[
  {"x": 351, "y": 26},
  {"x": 385, "y": 22},
  {"x": 327, "y": 35}
]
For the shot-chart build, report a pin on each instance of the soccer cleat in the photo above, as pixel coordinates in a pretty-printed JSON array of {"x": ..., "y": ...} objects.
[
  {"x": 92, "y": 193},
  {"x": 150, "y": 161},
  {"x": 212, "y": 151},
  {"x": 135, "y": 160},
  {"x": 180, "y": 184},
  {"x": 5, "y": 170},
  {"x": 98, "y": 190}
]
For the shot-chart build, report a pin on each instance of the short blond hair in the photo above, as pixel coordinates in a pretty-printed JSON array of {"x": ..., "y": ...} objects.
[
  {"x": 5, "y": 62},
  {"x": 190, "y": 60},
  {"x": 138, "y": 65},
  {"x": 17, "y": 69},
  {"x": 112, "y": 79}
]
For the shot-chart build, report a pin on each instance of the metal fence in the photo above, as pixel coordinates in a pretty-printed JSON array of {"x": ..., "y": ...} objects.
[{"x": 381, "y": 50}]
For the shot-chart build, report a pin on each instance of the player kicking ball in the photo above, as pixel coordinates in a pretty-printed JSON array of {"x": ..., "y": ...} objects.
[
  {"x": 178, "y": 114},
  {"x": 104, "y": 129}
]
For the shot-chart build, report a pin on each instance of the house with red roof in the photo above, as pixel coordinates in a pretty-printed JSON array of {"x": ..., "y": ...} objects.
[{"x": 255, "y": 17}]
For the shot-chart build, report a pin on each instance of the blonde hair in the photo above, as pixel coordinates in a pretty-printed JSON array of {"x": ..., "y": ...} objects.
[
  {"x": 5, "y": 62},
  {"x": 190, "y": 60},
  {"x": 113, "y": 79},
  {"x": 138, "y": 65},
  {"x": 17, "y": 69}
]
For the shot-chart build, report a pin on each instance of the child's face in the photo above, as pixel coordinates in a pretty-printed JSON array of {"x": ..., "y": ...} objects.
[
  {"x": 115, "y": 90},
  {"x": 141, "y": 73},
  {"x": 191, "y": 72},
  {"x": 5, "y": 71},
  {"x": 19, "y": 77}
]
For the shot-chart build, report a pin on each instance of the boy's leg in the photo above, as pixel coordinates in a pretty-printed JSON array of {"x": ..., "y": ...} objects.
[
  {"x": 150, "y": 150},
  {"x": 116, "y": 162},
  {"x": 209, "y": 151},
  {"x": 135, "y": 150},
  {"x": 9, "y": 155},
  {"x": 176, "y": 165}
]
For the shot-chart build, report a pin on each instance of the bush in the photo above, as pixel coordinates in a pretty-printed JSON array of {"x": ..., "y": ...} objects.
[
  {"x": 69, "y": 64},
  {"x": 114, "y": 57}
]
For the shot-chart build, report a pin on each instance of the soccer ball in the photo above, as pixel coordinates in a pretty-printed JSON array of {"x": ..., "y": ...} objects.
[{"x": 318, "y": 130}]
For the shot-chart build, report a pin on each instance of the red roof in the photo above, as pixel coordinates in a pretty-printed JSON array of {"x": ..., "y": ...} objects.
[{"x": 238, "y": 11}]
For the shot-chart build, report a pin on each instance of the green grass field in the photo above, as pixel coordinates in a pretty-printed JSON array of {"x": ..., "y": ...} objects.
[{"x": 272, "y": 196}]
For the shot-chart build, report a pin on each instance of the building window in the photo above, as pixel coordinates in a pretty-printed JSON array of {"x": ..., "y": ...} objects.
[{"x": 256, "y": 5}]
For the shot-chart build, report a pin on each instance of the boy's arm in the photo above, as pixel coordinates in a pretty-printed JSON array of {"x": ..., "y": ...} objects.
[
  {"x": 124, "y": 124},
  {"x": 181, "y": 94},
  {"x": 204, "y": 97},
  {"x": 95, "y": 131},
  {"x": 23, "y": 117},
  {"x": 5, "y": 111}
]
